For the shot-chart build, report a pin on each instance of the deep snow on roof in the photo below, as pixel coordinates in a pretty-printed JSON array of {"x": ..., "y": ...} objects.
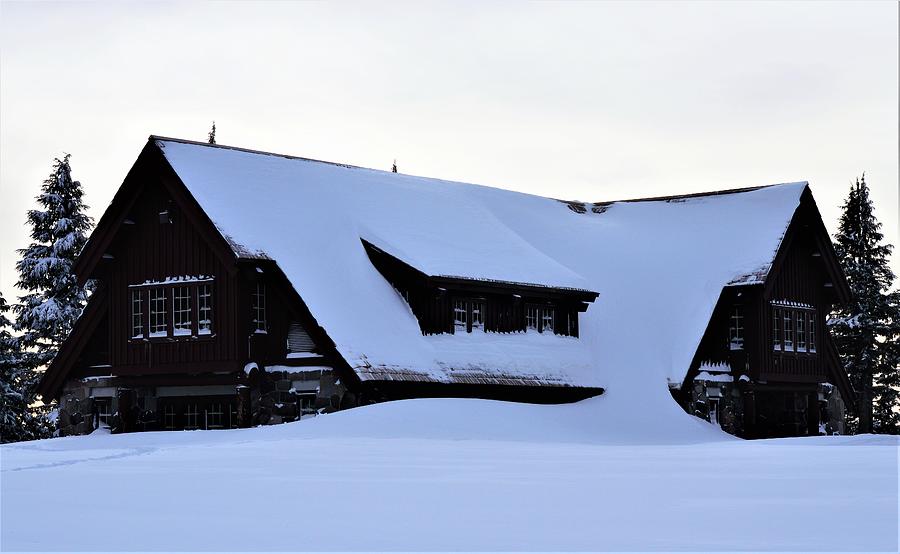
[{"x": 659, "y": 266}]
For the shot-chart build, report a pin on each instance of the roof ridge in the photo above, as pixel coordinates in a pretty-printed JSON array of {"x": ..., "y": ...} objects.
[
  {"x": 262, "y": 152},
  {"x": 697, "y": 194}
]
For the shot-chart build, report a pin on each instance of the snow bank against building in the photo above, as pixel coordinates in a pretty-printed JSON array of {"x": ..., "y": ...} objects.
[{"x": 450, "y": 474}]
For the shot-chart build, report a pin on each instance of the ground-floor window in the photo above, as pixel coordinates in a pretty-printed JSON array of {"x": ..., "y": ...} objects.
[
  {"x": 103, "y": 409},
  {"x": 192, "y": 416},
  {"x": 169, "y": 417},
  {"x": 198, "y": 412},
  {"x": 215, "y": 416}
]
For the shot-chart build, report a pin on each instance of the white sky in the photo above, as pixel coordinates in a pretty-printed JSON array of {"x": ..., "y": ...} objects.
[{"x": 588, "y": 101}]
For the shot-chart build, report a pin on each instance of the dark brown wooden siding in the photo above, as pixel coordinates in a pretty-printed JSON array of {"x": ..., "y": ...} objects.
[
  {"x": 799, "y": 276},
  {"x": 148, "y": 250}
]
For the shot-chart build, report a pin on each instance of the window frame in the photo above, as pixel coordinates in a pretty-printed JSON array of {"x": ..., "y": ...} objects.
[
  {"x": 460, "y": 309},
  {"x": 777, "y": 335},
  {"x": 182, "y": 307},
  {"x": 204, "y": 321},
  {"x": 158, "y": 297},
  {"x": 258, "y": 314},
  {"x": 466, "y": 307},
  {"x": 811, "y": 338},
  {"x": 802, "y": 329},
  {"x": 138, "y": 329},
  {"x": 787, "y": 342},
  {"x": 171, "y": 310},
  {"x": 736, "y": 328},
  {"x": 532, "y": 313},
  {"x": 545, "y": 310}
]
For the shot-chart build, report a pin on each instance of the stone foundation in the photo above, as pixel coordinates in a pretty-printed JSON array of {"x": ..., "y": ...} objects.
[{"x": 260, "y": 398}]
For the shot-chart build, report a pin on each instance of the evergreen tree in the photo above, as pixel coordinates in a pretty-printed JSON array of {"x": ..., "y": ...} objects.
[
  {"x": 53, "y": 301},
  {"x": 18, "y": 422},
  {"x": 212, "y": 134},
  {"x": 866, "y": 330}
]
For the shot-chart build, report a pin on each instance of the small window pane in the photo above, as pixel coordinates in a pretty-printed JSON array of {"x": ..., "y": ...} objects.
[
  {"x": 259, "y": 308},
  {"x": 736, "y": 329},
  {"x": 477, "y": 315},
  {"x": 812, "y": 331},
  {"x": 776, "y": 329},
  {"x": 137, "y": 314},
  {"x": 204, "y": 309},
  {"x": 192, "y": 416},
  {"x": 801, "y": 331},
  {"x": 158, "y": 321},
  {"x": 531, "y": 318},
  {"x": 181, "y": 312},
  {"x": 788, "y": 330},
  {"x": 215, "y": 416},
  {"x": 460, "y": 316},
  {"x": 169, "y": 417},
  {"x": 547, "y": 317}
]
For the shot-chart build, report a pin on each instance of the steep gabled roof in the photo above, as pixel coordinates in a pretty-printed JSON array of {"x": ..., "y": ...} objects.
[{"x": 658, "y": 264}]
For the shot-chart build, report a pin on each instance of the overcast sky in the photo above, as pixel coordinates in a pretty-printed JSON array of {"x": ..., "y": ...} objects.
[{"x": 588, "y": 101}]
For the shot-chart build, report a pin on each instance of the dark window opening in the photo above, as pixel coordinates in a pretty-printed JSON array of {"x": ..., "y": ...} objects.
[
  {"x": 736, "y": 329},
  {"x": 776, "y": 329},
  {"x": 468, "y": 315},
  {"x": 204, "y": 309},
  {"x": 258, "y": 308},
  {"x": 181, "y": 311},
  {"x": 137, "y": 314},
  {"x": 159, "y": 325}
]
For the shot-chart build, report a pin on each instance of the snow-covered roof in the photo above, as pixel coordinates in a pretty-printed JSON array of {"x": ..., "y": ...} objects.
[{"x": 659, "y": 266}]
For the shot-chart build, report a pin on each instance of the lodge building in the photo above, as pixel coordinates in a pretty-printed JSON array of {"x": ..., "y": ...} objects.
[{"x": 237, "y": 288}]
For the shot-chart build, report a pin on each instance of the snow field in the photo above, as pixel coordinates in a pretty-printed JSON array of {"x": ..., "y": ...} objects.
[{"x": 450, "y": 474}]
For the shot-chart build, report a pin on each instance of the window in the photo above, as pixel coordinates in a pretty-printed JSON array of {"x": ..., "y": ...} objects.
[
  {"x": 531, "y": 318},
  {"x": 547, "y": 320},
  {"x": 736, "y": 329},
  {"x": 801, "y": 331},
  {"x": 191, "y": 416},
  {"x": 137, "y": 314},
  {"x": 306, "y": 402},
  {"x": 181, "y": 311},
  {"x": 468, "y": 315},
  {"x": 204, "y": 309},
  {"x": 104, "y": 410},
  {"x": 477, "y": 315},
  {"x": 158, "y": 323},
  {"x": 460, "y": 316},
  {"x": 259, "y": 308},
  {"x": 811, "y": 342},
  {"x": 166, "y": 308},
  {"x": 776, "y": 329},
  {"x": 215, "y": 416},
  {"x": 713, "y": 411},
  {"x": 573, "y": 323},
  {"x": 798, "y": 326},
  {"x": 788, "y": 330},
  {"x": 169, "y": 417}
]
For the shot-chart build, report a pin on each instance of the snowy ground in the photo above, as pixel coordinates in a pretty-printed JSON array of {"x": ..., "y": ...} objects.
[{"x": 451, "y": 475}]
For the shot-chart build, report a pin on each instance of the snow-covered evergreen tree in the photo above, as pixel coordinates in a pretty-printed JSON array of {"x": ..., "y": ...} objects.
[
  {"x": 53, "y": 301},
  {"x": 18, "y": 422},
  {"x": 211, "y": 137},
  {"x": 867, "y": 329}
]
